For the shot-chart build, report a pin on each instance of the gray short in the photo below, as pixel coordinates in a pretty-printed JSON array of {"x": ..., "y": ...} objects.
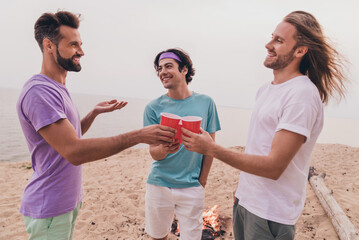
[{"x": 247, "y": 226}]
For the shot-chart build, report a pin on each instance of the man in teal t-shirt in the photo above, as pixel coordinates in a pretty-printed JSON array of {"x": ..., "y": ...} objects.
[{"x": 178, "y": 177}]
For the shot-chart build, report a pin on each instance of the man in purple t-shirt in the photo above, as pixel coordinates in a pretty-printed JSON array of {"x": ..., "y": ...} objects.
[{"x": 52, "y": 127}]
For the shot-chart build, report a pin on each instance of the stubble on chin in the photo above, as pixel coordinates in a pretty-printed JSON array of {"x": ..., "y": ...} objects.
[{"x": 269, "y": 65}]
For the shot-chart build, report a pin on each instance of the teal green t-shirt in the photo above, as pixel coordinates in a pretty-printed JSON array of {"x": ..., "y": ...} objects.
[{"x": 181, "y": 169}]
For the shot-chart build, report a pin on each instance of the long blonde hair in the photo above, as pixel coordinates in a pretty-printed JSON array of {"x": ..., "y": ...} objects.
[{"x": 323, "y": 64}]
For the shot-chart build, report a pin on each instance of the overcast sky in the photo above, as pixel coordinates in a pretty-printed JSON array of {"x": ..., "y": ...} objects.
[{"x": 225, "y": 40}]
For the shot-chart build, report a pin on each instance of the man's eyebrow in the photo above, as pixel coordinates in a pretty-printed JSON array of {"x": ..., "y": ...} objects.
[
  {"x": 76, "y": 42},
  {"x": 166, "y": 64},
  {"x": 277, "y": 36}
]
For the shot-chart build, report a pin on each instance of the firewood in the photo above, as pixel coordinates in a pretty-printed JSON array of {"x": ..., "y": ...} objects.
[{"x": 342, "y": 225}]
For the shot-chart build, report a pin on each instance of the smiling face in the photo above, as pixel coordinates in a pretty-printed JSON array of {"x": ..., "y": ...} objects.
[
  {"x": 68, "y": 50},
  {"x": 170, "y": 75},
  {"x": 282, "y": 47}
]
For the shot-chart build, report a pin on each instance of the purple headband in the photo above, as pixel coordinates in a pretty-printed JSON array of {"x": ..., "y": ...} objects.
[{"x": 169, "y": 55}]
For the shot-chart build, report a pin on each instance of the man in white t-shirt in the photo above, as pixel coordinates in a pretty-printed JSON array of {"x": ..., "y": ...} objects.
[{"x": 286, "y": 122}]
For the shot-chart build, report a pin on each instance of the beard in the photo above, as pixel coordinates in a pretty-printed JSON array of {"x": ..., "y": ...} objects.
[
  {"x": 67, "y": 63},
  {"x": 281, "y": 62}
]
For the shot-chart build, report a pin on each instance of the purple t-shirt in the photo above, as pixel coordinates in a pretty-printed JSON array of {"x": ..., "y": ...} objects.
[{"x": 55, "y": 186}]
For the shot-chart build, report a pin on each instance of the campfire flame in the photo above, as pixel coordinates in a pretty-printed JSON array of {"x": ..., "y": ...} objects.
[
  {"x": 177, "y": 233},
  {"x": 211, "y": 224},
  {"x": 211, "y": 219}
]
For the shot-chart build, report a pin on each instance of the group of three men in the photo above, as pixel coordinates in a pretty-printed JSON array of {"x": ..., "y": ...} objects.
[{"x": 287, "y": 119}]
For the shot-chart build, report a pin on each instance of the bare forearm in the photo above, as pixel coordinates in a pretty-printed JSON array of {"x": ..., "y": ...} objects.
[
  {"x": 88, "y": 150},
  {"x": 206, "y": 167},
  {"x": 87, "y": 121},
  {"x": 258, "y": 165},
  {"x": 62, "y": 136},
  {"x": 285, "y": 146}
]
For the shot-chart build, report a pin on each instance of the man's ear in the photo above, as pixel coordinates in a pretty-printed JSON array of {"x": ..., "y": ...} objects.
[
  {"x": 184, "y": 70},
  {"x": 48, "y": 46},
  {"x": 301, "y": 51}
]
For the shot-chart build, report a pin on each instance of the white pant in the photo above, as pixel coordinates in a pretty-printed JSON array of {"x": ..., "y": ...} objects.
[{"x": 163, "y": 202}]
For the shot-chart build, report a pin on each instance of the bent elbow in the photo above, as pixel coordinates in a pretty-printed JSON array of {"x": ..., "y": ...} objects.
[
  {"x": 75, "y": 163},
  {"x": 274, "y": 169},
  {"x": 275, "y": 174},
  {"x": 73, "y": 159},
  {"x": 274, "y": 177}
]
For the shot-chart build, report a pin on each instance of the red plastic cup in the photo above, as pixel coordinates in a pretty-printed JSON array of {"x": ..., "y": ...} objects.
[
  {"x": 192, "y": 123},
  {"x": 173, "y": 121}
]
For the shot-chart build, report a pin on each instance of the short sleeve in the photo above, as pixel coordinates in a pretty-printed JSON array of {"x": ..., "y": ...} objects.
[
  {"x": 299, "y": 118},
  {"x": 42, "y": 106},
  {"x": 149, "y": 116},
  {"x": 213, "y": 124}
]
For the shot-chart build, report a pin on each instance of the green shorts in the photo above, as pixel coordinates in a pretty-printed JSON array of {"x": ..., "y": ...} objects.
[
  {"x": 60, "y": 227},
  {"x": 247, "y": 226}
]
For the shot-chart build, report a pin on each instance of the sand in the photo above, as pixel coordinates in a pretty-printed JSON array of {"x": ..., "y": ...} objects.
[{"x": 113, "y": 205}]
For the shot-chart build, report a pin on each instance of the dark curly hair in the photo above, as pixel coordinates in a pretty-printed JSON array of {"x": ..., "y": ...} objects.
[
  {"x": 186, "y": 62},
  {"x": 48, "y": 26}
]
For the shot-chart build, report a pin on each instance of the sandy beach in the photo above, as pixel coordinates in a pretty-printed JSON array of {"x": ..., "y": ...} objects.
[{"x": 113, "y": 205}]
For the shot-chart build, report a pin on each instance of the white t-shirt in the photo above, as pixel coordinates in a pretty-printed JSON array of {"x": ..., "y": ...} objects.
[{"x": 294, "y": 105}]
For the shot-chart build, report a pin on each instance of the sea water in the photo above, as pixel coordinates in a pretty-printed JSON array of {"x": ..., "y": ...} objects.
[{"x": 234, "y": 124}]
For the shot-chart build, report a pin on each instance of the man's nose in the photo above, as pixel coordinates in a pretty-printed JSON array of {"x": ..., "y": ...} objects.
[
  {"x": 269, "y": 45},
  {"x": 163, "y": 71},
  {"x": 80, "y": 51}
]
